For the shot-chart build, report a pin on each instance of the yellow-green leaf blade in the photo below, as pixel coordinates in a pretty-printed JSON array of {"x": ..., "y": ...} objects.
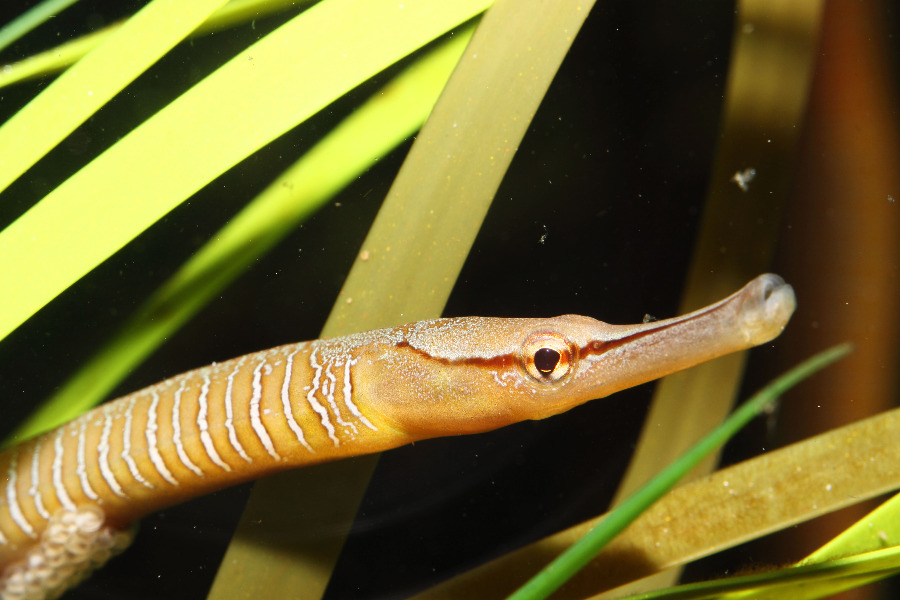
[
  {"x": 64, "y": 55},
  {"x": 88, "y": 85},
  {"x": 877, "y": 529},
  {"x": 266, "y": 90}
]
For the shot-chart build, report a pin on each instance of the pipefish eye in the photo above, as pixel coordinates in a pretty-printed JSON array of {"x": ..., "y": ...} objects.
[{"x": 547, "y": 356}]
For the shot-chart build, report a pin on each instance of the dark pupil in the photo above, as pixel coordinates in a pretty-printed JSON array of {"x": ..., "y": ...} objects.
[{"x": 546, "y": 360}]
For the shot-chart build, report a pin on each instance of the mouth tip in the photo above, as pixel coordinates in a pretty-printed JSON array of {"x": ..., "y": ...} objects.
[
  {"x": 771, "y": 283},
  {"x": 774, "y": 307},
  {"x": 776, "y": 291}
]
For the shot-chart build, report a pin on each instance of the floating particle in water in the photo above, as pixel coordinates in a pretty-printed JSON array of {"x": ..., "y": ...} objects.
[{"x": 743, "y": 178}]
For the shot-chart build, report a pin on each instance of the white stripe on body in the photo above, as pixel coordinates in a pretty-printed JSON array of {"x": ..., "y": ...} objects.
[
  {"x": 34, "y": 491},
  {"x": 12, "y": 499},
  {"x": 286, "y": 401},
  {"x": 348, "y": 395},
  {"x": 103, "y": 455},
  {"x": 58, "y": 486},
  {"x": 176, "y": 433},
  {"x": 81, "y": 463},
  {"x": 311, "y": 398},
  {"x": 229, "y": 414},
  {"x": 152, "y": 441},
  {"x": 203, "y": 424},
  {"x": 126, "y": 446},
  {"x": 255, "y": 421},
  {"x": 329, "y": 387}
]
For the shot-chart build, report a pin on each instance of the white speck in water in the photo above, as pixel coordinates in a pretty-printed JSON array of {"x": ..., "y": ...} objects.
[{"x": 743, "y": 178}]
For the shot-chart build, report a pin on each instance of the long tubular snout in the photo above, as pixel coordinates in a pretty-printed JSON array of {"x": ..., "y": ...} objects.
[{"x": 632, "y": 354}]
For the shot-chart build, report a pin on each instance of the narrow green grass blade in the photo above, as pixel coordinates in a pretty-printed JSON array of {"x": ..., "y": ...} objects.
[
  {"x": 804, "y": 582},
  {"x": 378, "y": 126},
  {"x": 266, "y": 90},
  {"x": 64, "y": 55},
  {"x": 572, "y": 560},
  {"x": 417, "y": 246},
  {"x": 31, "y": 18},
  {"x": 100, "y": 75}
]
